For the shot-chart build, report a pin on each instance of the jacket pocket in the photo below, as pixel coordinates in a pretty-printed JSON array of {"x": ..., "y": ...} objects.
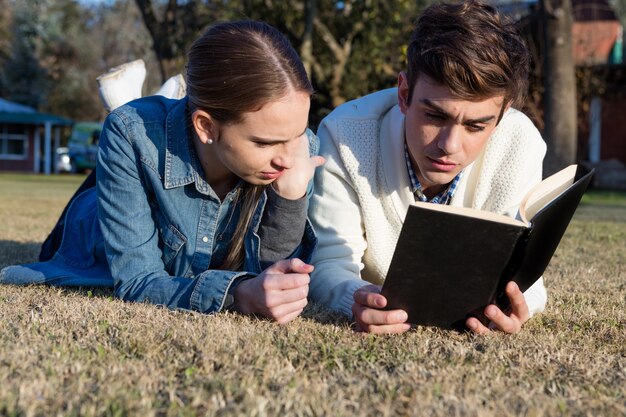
[{"x": 172, "y": 240}]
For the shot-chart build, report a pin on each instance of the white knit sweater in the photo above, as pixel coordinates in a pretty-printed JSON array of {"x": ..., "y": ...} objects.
[{"x": 363, "y": 191}]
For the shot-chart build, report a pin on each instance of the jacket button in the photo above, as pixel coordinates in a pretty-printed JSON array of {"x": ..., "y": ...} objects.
[{"x": 205, "y": 239}]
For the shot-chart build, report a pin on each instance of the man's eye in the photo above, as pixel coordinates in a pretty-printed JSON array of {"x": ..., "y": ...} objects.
[
  {"x": 262, "y": 144},
  {"x": 475, "y": 128},
  {"x": 435, "y": 116}
]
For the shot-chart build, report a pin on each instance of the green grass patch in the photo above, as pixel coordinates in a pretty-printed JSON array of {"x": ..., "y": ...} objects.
[{"x": 605, "y": 198}]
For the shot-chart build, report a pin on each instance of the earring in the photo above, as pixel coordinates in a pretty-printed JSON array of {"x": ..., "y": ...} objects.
[{"x": 209, "y": 141}]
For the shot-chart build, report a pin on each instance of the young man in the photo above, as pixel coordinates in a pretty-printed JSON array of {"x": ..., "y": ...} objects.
[{"x": 449, "y": 135}]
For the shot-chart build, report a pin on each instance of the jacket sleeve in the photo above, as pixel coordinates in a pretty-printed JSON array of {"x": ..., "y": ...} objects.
[
  {"x": 336, "y": 217},
  {"x": 131, "y": 237},
  {"x": 285, "y": 231}
]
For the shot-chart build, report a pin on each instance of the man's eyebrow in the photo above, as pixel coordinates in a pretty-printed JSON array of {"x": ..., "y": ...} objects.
[
  {"x": 438, "y": 109},
  {"x": 272, "y": 140}
]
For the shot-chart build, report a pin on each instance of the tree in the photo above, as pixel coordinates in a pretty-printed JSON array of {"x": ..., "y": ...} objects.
[
  {"x": 5, "y": 41},
  {"x": 560, "y": 115},
  {"x": 119, "y": 35},
  {"x": 174, "y": 26},
  {"x": 357, "y": 46}
]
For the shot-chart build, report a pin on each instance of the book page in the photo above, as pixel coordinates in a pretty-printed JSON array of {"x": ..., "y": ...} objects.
[
  {"x": 547, "y": 190},
  {"x": 470, "y": 212}
]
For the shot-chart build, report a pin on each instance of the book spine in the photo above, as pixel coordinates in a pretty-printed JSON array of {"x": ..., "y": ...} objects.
[{"x": 500, "y": 298}]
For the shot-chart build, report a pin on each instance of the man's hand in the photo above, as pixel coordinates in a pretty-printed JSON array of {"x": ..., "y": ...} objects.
[
  {"x": 511, "y": 323},
  {"x": 278, "y": 293},
  {"x": 293, "y": 183},
  {"x": 369, "y": 318}
]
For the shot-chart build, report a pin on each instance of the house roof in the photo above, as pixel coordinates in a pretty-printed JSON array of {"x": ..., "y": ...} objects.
[
  {"x": 33, "y": 119},
  {"x": 592, "y": 10},
  {"x": 16, "y": 113},
  {"x": 583, "y": 10},
  {"x": 7, "y": 106}
]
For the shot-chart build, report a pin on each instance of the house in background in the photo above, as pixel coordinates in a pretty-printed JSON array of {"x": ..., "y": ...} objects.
[
  {"x": 597, "y": 48},
  {"x": 28, "y": 139},
  {"x": 597, "y": 40}
]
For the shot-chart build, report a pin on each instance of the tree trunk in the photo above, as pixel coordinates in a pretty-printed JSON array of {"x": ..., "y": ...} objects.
[
  {"x": 306, "y": 50},
  {"x": 560, "y": 86},
  {"x": 162, "y": 35}
]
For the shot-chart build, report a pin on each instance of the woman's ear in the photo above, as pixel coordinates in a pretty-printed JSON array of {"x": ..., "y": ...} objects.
[{"x": 205, "y": 126}]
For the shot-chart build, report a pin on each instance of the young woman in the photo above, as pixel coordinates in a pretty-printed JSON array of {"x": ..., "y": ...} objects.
[{"x": 200, "y": 203}]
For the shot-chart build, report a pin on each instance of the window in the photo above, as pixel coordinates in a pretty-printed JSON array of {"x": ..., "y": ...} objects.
[{"x": 13, "y": 142}]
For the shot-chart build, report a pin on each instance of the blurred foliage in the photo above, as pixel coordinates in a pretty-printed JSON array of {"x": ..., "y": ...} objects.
[
  {"x": 51, "y": 51},
  {"x": 357, "y": 45}
]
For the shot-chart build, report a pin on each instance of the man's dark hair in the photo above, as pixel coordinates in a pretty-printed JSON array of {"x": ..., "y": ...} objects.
[{"x": 472, "y": 49}]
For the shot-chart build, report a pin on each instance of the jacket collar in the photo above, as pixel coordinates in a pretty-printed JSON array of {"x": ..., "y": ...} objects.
[{"x": 182, "y": 166}]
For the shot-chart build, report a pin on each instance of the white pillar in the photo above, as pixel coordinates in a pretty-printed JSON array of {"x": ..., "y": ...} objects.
[
  {"x": 47, "y": 145},
  {"x": 595, "y": 129},
  {"x": 57, "y": 143},
  {"x": 36, "y": 150}
]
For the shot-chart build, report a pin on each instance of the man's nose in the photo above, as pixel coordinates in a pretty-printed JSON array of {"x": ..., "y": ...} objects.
[{"x": 450, "y": 140}]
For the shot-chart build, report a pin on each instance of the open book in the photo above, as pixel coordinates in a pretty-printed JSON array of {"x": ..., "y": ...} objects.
[{"x": 451, "y": 262}]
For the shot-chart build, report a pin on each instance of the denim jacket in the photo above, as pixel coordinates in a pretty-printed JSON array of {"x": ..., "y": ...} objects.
[{"x": 162, "y": 230}]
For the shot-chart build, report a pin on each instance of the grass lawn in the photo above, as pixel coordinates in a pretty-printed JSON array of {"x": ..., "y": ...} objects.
[{"x": 70, "y": 352}]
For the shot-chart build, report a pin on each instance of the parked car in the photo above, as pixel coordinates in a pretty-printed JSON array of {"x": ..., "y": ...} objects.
[
  {"x": 83, "y": 146},
  {"x": 63, "y": 160}
]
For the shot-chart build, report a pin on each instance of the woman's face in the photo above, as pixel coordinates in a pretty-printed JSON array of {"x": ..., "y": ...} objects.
[{"x": 260, "y": 147}]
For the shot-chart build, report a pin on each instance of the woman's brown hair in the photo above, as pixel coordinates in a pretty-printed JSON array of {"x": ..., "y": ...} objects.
[
  {"x": 238, "y": 67},
  {"x": 472, "y": 49}
]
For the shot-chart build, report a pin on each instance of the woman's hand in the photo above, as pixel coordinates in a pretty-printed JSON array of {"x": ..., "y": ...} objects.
[
  {"x": 293, "y": 183},
  {"x": 511, "y": 323},
  {"x": 278, "y": 293}
]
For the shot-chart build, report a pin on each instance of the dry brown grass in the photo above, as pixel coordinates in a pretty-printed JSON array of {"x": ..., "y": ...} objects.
[{"x": 70, "y": 352}]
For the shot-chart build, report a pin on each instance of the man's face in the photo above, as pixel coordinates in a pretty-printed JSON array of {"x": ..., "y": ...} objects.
[{"x": 444, "y": 134}]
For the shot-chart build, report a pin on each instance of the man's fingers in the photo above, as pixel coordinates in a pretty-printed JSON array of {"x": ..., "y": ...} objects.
[
  {"x": 370, "y": 316},
  {"x": 519, "y": 308},
  {"x": 476, "y": 326},
  {"x": 499, "y": 320},
  {"x": 370, "y": 296},
  {"x": 502, "y": 321},
  {"x": 378, "y": 321},
  {"x": 383, "y": 329}
]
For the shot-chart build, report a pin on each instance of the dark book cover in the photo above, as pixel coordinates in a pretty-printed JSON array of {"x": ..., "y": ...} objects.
[
  {"x": 548, "y": 226},
  {"x": 448, "y": 266}
]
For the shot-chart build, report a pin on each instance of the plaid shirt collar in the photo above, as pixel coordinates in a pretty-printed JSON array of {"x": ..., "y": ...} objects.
[{"x": 443, "y": 197}]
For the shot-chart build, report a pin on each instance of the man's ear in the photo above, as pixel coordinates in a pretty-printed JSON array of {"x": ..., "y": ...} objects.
[
  {"x": 205, "y": 126},
  {"x": 503, "y": 109},
  {"x": 403, "y": 92}
]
